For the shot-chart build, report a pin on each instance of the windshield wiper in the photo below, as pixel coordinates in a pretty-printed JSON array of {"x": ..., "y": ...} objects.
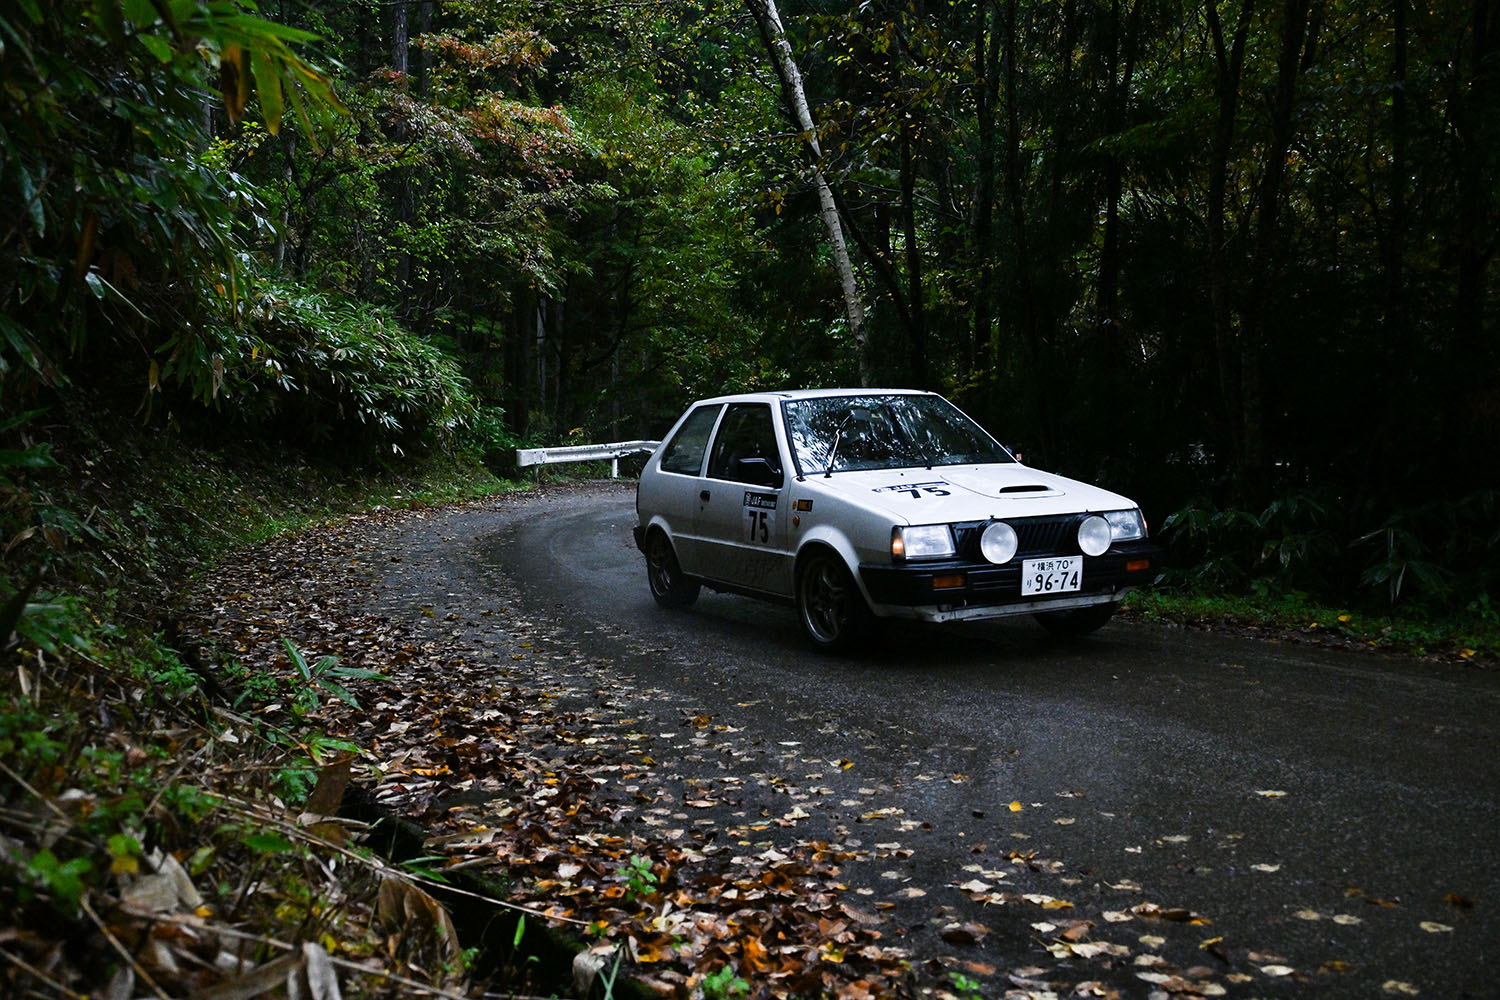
[{"x": 860, "y": 413}]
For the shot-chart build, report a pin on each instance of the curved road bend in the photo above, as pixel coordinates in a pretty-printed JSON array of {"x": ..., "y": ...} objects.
[{"x": 1331, "y": 812}]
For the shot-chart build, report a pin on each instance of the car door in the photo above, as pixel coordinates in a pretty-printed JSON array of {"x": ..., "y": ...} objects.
[
  {"x": 741, "y": 505},
  {"x": 674, "y": 493}
]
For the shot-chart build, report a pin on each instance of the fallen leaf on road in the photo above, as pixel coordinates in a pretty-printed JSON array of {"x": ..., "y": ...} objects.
[
  {"x": 1047, "y": 902},
  {"x": 1077, "y": 932},
  {"x": 1270, "y": 793},
  {"x": 969, "y": 933},
  {"x": 1433, "y": 927}
]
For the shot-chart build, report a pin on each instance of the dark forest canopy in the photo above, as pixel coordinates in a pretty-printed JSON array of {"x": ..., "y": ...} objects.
[{"x": 1241, "y": 251}]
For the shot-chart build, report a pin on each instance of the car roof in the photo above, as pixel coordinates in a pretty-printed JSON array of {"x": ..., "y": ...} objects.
[{"x": 783, "y": 395}]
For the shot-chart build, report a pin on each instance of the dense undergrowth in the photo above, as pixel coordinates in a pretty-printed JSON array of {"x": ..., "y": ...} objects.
[
  {"x": 1416, "y": 579},
  {"x": 158, "y": 816}
]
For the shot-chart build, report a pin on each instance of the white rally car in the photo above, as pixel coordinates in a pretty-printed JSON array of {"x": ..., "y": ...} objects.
[{"x": 853, "y": 504}]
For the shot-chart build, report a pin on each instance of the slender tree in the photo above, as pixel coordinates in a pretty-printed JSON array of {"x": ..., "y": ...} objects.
[{"x": 773, "y": 34}]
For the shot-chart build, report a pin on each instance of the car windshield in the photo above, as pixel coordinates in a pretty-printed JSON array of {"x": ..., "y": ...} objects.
[{"x": 851, "y": 433}]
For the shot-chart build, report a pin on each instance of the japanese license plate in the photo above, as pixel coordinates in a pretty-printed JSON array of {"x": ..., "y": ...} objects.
[{"x": 1054, "y": 575}]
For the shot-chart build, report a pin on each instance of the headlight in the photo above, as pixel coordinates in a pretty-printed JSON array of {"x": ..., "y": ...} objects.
[
  {"x": 1125, "y": 525},
  {"x": 999, "y": 543},
  {"x": 1094, "y": 535},
  {"x": 922, "y": 541}
]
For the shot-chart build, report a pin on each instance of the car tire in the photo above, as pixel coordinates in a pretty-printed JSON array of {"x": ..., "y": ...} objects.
[
  {"x": 1077, "y": 621},
  {"x": 834, "y": 614},
  {"x": 669, "y": 585}
]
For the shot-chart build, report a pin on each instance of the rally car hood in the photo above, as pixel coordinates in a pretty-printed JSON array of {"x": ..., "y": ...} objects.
[{"x": 966, "y": 493}]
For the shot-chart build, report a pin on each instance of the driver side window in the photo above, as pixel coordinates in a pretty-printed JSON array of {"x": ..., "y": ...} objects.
[
  {"x": 745, "y": 449},
  {"x": 684, "y": 453}
]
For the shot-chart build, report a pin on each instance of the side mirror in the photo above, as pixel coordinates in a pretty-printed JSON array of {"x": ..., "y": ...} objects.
[{"x": 758, "y": 472}]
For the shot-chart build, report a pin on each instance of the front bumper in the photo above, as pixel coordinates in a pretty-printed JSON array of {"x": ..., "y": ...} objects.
[{"x": 985, "y": 590}]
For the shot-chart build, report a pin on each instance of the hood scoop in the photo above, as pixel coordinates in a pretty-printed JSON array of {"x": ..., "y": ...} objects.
[{"x": 1027, "y": 488}]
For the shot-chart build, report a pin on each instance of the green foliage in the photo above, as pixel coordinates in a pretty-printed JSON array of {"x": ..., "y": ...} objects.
[
  {"x": 119, "y": 223},
  {"x": 62, "y": 881},
  {"x": 1289, "y": 544},
  {"x": 1462, "y": 635},
  {"x": 640, "y": 880},
  {"x": 320, "y": 676},
  {"x": 966, "y": 987},
  {"x": 28, "y": 738},
  {"x": 333, "y": 367},
  {"x": 1318, "y": 543},
  {"x": 723, "y": 984}
]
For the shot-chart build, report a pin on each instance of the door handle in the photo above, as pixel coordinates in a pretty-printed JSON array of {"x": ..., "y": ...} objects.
[{"x": 703, "y": 495}]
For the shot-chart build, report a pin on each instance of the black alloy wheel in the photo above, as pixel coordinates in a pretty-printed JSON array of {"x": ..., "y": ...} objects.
[
  {"x": 669, "y": 585},
  {"x": 833, "y": 611}
]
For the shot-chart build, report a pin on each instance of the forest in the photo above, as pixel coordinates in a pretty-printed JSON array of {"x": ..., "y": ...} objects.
[
  {"x": 277, "y": 278},
  {"x": 1232, "y": 258}
]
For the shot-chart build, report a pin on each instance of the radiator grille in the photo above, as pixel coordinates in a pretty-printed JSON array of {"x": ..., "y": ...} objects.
[{"x": 1054, "y": 536}]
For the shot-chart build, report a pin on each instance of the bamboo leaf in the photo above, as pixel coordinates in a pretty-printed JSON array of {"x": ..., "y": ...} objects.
[{"x": 268, "y": 85}]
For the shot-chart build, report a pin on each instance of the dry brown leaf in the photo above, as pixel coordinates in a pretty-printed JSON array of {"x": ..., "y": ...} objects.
[{"x": 402, "y": 905}]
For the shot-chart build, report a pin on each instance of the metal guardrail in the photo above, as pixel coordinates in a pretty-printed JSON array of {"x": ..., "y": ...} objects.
[{"x": 584, "y": 453}]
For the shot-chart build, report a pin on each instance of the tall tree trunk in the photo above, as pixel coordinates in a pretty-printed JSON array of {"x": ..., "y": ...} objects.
[
  {"x": 1297, "y": 45},
  {"x": 1117, "y": 103},
  {"x": 1229, "y": 60},
  {"x": 520, "y": 341},
  {"x": 1024, "y": 302},
  {"x": 916, "y": 329},
  {"x": 424, "y": 57},
  {"x": 987, "y": 66},
  {"x": 773, "y": 34},
  {"x": 1476, "y": 85},
  {"x": 1470, "y": 350},
  {"x": 400, "y": 51},
  {"x": 288, "y": 186},
  {"x": 1395, "y": 231},
  {"x": 400, "y": 38}
]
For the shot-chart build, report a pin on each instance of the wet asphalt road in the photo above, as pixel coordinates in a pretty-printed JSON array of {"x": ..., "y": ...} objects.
[{"x": 1138, "y": 760}]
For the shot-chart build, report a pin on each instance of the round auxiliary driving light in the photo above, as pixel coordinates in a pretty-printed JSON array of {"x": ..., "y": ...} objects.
[
  {"x": 1094, "y": 535},
  {"x": 998, "y": 543}
]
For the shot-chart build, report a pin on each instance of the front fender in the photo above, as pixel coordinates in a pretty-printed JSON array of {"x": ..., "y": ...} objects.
[{"x": 829, "y": 537}]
